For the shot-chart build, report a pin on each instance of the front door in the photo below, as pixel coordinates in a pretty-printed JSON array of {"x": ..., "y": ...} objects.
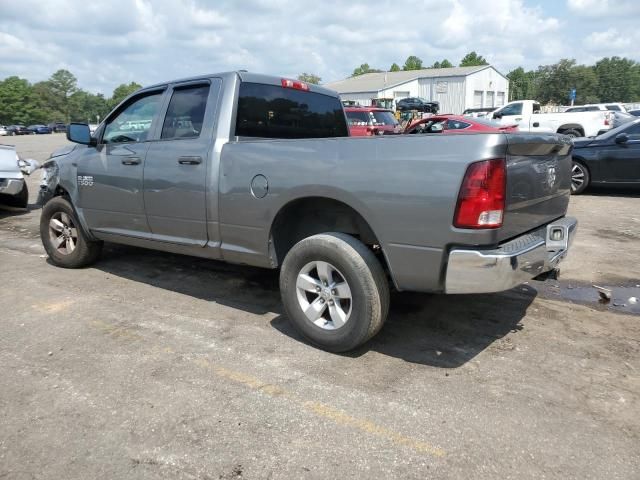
[
  {"x": 177, "y": 166},
  {"x": 110, "y": 174},
  {"x": 622, "y": 160}
]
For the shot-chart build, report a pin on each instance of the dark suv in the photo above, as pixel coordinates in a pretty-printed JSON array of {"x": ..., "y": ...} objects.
[
  {"x": 58, "y": 127},
  {"x": 418, "y": 104}
]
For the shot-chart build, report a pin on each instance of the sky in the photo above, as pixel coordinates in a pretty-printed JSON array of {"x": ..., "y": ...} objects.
[{"x": 108, "y": 42}]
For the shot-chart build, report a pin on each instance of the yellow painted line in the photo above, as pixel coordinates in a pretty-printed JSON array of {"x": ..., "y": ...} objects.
[
  {"x": 54, "y": 307},
  {"x": 322, "y": 410},
  {"x": 274, "y": 391}
]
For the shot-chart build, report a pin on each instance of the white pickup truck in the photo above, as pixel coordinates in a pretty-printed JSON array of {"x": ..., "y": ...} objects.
[{"x": 526, "y": 114}]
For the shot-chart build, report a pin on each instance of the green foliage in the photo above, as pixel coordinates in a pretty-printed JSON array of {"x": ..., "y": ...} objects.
[
  {"x": 521, "y": 84},
  {"x": 472, "y": 59},
  {"x": 309, "y": 78},
  {"x": 443, "y": 64},
  {"x": 122, "y": 91},
  {"x": 16, "y": 101},
  {"x": 394, "y": 68},
  {"x": 618, "y": 79},
  {"x": 364, "y": 68},
  {"x": 412, "y": 63}
]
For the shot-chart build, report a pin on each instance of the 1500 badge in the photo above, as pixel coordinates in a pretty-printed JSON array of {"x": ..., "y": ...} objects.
[{"x": 85, "y": 181}]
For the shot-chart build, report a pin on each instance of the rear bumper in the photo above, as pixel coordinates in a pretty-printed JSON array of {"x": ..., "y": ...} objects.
[
  {"x": 11, "y": 186},
  {"x": 511, "y": 264}
]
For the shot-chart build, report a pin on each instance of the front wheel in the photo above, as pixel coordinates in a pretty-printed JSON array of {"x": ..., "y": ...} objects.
[
  {"x": 572, "y": 133},
  {"x": 579, "y": 178},
  {"x": 334, "y": 291},
  {"x": 63, "y": 238}
]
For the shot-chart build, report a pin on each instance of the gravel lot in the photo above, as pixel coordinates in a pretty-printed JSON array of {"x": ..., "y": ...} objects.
[{"x": 151, "y": 365}]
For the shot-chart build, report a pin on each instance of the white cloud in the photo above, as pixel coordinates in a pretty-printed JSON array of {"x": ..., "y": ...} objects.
[
  {"x": 605, "y": 8},
  {"x": 108, "y": 42}
]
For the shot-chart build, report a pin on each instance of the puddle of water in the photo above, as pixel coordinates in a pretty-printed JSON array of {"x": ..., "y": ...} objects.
[{"x": 622, "y": 297}]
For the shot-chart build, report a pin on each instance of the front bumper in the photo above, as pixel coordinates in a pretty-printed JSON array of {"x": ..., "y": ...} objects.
[
  {"x": 11, "y": 186},
  {"x": 512, "y": 263}
]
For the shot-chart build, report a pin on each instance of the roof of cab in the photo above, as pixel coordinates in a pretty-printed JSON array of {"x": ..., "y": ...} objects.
[{"x": 244, "y": 77}]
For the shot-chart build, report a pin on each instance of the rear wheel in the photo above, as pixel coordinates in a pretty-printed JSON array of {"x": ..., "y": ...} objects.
[
  {"x": 572, "y": 133},
  {"x": 334, "y": 291},
  {"x": 63, "y": 238},
  {"x": 579, "y": 178}
]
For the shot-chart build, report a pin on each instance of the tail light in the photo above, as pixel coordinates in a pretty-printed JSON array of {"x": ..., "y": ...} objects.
[
  {"x": 295, "y": 84},
  {"x": 482, "y": 194}
]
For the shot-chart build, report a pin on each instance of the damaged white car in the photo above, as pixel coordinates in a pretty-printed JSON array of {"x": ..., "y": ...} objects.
[{"x": 13, "y": 187}]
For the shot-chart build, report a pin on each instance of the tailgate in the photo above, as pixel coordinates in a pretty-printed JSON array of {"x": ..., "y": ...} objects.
[{"x": 538, "y": 181}]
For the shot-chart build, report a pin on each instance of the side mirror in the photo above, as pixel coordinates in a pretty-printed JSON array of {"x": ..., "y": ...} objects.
[
  {"x": 28, "y": 166},
  {"x": 80, "y": 133},
  {"x": 622, "y": 138}
]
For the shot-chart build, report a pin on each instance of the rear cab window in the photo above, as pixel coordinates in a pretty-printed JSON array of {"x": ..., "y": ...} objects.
[
  {"x": 358, "y": 119},
  {"x": 383, "y": 117},
  {"x": 272, "y": 111}
]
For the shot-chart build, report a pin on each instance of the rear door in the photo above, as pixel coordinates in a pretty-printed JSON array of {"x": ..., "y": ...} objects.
[
  {"x": 110, "y": 174},
  {"x": 177, "y": 164}
]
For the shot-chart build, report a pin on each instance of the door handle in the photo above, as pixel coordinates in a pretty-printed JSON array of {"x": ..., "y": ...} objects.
[
  {"x": 131, "y": 161},
  {"x": 189, "y": 160}
]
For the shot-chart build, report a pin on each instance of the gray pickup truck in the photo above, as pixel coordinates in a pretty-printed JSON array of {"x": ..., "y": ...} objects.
[{"x": 260, "y": 170}]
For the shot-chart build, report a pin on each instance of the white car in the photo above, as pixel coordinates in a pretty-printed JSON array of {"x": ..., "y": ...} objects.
[
  {"x": 594, "y": 107},
  {"x": 527, "y": 115},
  {"x": 13, "y": 188},
  {"x": 3, "y": 131}
]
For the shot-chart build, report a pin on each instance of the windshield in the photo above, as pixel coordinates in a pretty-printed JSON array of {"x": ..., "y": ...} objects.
[
  {"x": 487, "y": 122},
  {"x": 615, "y": 131},
  {"x": 382, "y": 117}
]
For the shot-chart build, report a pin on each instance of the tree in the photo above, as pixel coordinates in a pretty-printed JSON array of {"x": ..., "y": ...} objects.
[
  {"x": 443, "y": 64},
  {"x": 309, "y": 78},
  {"x": 618, "y": 79},
  {"x": 472, "y": 59},
  {"x": 85, "y": 106},
  {"x": 16, "y": 101},
  {"x": 395, "y": 68},
  {"x": 62, "y": 84},
  {"x": 412, "y": 63},
  {"x": 521, "y": 84},
  {"x": 364, "y": 68},
  {"x": 121, "y": 92}
]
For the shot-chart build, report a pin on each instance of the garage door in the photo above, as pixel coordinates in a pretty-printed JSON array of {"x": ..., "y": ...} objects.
[{"x": 477, "y": 99}]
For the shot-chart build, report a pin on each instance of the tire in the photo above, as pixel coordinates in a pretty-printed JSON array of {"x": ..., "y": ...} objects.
[
  {"x": 59, "y": 221},
  {"x": 349, "y": 316},
  {"x": 580, "y": 177},
  {"x": 571, "y": 133}
]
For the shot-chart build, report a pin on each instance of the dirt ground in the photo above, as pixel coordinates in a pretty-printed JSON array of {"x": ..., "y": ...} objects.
[{"x": 151, "y": 365}]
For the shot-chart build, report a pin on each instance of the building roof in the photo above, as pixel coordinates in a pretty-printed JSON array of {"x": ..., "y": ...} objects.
[{"x": 374, "y": 82}]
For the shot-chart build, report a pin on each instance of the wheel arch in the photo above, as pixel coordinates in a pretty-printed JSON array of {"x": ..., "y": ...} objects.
[
  {"x": 571, "y": 126},
  {"x": 309, "y": 215}
]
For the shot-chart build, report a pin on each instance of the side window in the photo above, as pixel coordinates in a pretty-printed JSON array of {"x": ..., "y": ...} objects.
[
  {"x": 634, "y": 132},
  {"x": 457, "y": 125},
  {"x": 134, "y": 122},
  {"x": 271, "y": 111},
  {"x": 185, "y": 113},
  {"x": 513, "y": 109},
  {"x": 613, "y": 108}
]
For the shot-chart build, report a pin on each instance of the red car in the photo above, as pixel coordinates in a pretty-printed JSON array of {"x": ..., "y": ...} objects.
[
  {"x": 451, "y": 124},
  {"x": 369, "y": 121}
]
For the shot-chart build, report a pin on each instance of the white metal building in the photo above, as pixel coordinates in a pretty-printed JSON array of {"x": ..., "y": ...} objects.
[{"x": 455, "y": 88}]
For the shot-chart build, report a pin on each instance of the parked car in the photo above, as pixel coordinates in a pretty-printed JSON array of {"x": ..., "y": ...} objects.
[
  {"x": 612, "y": 158},
  {"x": 3, "y": 131},
  {"x": 270, "y": 177},
  {"x": 58, "y": 127},
  {"x": 39, "y": 129},
  {"x": 449, "y": 124},
  {"x": 635, "y": 113},
  {"x": 478, "y": 112},
  {"x": 594, "y": 107},
  {"x": 368, "y": 121},
  {"x": 527, "y": 114},
  {"x": 18, "y": 130},
  {"x": 13, "y": 188},
  {"x": 417, "y": 104}
]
